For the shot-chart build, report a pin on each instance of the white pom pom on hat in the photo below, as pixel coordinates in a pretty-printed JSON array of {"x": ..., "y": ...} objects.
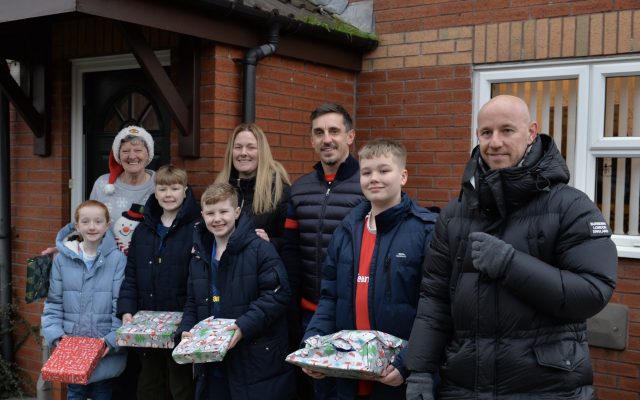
[{"x": 115, "y": 166}]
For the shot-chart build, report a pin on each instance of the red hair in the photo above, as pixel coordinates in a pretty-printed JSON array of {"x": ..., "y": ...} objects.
[{"x": 92, "y": 203}]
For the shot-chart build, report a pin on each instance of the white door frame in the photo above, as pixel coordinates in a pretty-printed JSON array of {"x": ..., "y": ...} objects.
[{"x": 79, "y": 67}]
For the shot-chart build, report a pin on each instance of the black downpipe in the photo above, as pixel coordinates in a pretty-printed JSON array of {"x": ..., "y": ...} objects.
[
  {"x": 250, "y": 61},
  {"x": 5, "y": 228}
]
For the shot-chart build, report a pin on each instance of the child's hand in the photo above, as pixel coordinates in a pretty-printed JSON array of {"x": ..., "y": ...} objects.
[
  {"x": 313, "y": 374},
  {"x": 106, "y": 351},
  {"x": 236, "y": 336},
  {"x": 126, "y": 318},
  {"x": 393, "y": 378},
  {"x": 186, "y": 334},
  {"x": 57, "y": 342},
  {"x": 262, "y": 234}
]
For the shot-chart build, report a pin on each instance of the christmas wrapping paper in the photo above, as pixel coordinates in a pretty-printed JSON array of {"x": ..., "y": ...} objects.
[
  {"x": 349, "y": 354},
  {"x": 209, "y": 342},
  {"x": 152, "y": 329},
  {"x": 74, "y": 360}
]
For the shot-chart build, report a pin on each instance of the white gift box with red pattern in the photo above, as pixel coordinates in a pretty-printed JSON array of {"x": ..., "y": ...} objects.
[
  {"x": 349, "y": 354},
  {"x": 74, "y": 360},
  {"x": 153, "y": 329}
]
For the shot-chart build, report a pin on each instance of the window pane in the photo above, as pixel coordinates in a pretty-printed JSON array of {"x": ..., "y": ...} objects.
[
  {"x": 621, "y": 104},
  {"x": 553, "y": 105},
  {"x": 618, "y": 193}
]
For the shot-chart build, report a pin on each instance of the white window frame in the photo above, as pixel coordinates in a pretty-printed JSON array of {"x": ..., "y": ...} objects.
[{"x": 591, "y": 74}]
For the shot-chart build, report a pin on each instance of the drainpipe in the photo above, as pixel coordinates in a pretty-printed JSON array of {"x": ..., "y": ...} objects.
[
  {"x": 5, "y": 227},
  {"x": 250, "y": 61}
]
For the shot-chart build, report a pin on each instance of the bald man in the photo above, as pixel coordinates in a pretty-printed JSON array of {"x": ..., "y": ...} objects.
[{"x": 516, "y": 265}]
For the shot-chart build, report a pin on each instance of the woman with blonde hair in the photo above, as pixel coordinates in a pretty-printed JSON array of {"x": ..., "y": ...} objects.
[{"x": 262, "y": 183}]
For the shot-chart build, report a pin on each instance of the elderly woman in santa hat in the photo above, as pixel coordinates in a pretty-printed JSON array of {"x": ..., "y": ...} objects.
[{"x": 125, "y": 189}]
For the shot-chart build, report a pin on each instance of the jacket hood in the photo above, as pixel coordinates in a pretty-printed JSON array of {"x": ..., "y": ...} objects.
[
  {"x": 345, "y": 170},
  {"x": 388, "y": 218},
  {"x": 190, "y": 210},
  {"x": 66, "y": 237},
  {"x": 244, "y": 234},
  {"x": 508, "y": 188}
]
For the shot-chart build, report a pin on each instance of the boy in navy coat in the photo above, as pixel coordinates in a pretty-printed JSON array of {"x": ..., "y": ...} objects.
[
  {"x": 237, "y": 275},
  {"x": 372, "y": 273}
]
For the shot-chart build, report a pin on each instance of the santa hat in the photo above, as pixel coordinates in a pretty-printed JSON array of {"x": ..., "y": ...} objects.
[{"x": 115, "y": 165}]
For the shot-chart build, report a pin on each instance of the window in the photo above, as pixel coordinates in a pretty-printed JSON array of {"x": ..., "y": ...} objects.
[{"x": 588, "y": 106}]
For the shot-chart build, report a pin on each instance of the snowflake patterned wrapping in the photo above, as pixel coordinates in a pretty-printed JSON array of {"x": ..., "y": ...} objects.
[
  {"x": 349, "y": 354},
  {"x": 152, "y": 329},
  {"x": 74, "y": 360},
  {"x": 209, "y": 342}
]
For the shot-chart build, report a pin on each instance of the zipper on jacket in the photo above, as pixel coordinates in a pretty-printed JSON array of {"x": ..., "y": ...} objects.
[
  {"x": 372, "y": 311},
  {"x": 241, "y": 192},
  {"x": 387, "y": 268},
  {"x": 319, "y": 249},
  {"x": 276, "y": 280},
  {"x": 153, "y": 274}
]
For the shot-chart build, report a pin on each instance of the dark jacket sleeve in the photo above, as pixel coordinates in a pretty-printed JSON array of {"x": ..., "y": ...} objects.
[
  {"x": 281, "y": 218},
  {"x": 290, "y": 252},
  {"x": 190, "y": 312},
  {"x": 582, "y": 282},
  {"x": 324, "y": 320},
  {"x": 128, "y": 300},
  {"x": 434, "y": 323},
  {"x": 274, "y": 295}
]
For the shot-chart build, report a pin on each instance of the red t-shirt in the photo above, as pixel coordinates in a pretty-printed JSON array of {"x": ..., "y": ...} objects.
[{"x": 362, "y": 292}]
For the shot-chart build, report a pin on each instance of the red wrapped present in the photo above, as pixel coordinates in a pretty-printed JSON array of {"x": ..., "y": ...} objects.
[{"x": 74, "y": 360}]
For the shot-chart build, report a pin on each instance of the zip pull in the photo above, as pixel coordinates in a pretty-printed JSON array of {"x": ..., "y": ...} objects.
[
  {"x": 328, "y": 190},
  {"x": 238, "y": 182}
]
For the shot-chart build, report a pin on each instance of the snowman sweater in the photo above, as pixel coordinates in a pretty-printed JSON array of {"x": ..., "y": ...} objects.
[{"x": 120, "y": 202}]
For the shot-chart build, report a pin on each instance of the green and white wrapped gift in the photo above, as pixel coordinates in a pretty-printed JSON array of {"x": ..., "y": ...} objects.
[
  {"x": 152, "y": 329},
  {"x": 209, "y": 342},
  {"x": 349, "y": 354}
]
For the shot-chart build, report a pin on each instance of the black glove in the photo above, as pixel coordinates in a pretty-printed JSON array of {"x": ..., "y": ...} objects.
[
  {"x": 420, "y": 386},
  {"x": 490, "y": 254}
]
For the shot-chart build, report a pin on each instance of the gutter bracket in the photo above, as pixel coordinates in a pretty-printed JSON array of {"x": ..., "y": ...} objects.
[{"x": 183, "y": 105}]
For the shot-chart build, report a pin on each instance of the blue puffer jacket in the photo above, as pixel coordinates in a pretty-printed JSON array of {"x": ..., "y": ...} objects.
[
  {"x": 83, "y": 303},
  {"x": 255, "y": 291},
  {"x": 159, "y": 283},
  {"x": 403, "y": 234}
]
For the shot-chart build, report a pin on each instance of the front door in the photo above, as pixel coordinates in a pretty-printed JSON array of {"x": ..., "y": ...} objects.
[{"x": 114, "y": 100}]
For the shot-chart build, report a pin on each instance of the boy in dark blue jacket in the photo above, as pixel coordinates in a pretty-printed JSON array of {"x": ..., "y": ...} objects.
[
  {"x": 372, "y": 273},
  {"x": 156, "y": 277},
  {"x": 237, "y": 275}
]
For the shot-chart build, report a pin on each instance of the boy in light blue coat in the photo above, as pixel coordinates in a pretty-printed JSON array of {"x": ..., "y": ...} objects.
[{"x": 84, "y": 286}]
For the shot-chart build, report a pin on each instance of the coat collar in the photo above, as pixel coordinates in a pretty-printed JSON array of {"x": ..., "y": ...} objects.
[
  {"x": 346, "y": 170},
  {"x": 389, "y": 218}
]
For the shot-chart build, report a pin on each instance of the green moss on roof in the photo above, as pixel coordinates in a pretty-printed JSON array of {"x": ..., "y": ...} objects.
[{"x": 338, "y": 26}]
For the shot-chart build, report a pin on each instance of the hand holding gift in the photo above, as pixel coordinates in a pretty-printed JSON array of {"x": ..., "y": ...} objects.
[
  {"x": 153, "y": 329},
  {"x": 237, "y": 336},
  {"x": 208, "y": 341}
]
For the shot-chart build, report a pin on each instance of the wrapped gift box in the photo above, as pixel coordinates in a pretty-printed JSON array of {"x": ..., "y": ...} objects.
[
  {"x": 74, "y": 360},
  {"x": 153, "y": 329},
  {"x": 209, "y": 342},
  {"x": 349, "y": 354}
]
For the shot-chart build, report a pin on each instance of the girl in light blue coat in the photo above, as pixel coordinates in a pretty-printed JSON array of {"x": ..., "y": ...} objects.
[{"x": 84, "y": 286}]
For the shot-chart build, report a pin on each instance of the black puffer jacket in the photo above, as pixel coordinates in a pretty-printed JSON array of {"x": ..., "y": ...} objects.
[
  {"x": 523, "y": 336},
  {"x": 320, "y": 208},
  {"x": 255, "y": 291},
  {"x": 273, "y": 222},
  {"x": 153, "y": 283}
]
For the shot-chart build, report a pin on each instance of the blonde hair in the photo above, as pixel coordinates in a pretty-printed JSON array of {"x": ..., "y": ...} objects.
[
  {"x": 384, "y": 147},
  {"x": 92, "y": 203},
  {"x": 264, "y": 199},
  {"x": 170, "y": 175},
  {"x": 219, "y": 192}
]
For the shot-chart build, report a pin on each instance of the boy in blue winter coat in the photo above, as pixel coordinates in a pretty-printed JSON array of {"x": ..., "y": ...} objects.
[
  {"x": 372, "y": 273},
  {"x": 84, "y": 286},
  {"x": 156, "y": 277},
  {"x": 237, "y": 275}
]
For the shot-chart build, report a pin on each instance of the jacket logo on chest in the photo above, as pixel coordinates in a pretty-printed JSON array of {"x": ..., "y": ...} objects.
[
  {"x": 401, "y": 255},
  {"x": 363, "y": 279}
]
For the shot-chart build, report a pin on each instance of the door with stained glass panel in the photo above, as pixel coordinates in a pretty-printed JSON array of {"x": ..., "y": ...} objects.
[{"x": 112, "y": 101}]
